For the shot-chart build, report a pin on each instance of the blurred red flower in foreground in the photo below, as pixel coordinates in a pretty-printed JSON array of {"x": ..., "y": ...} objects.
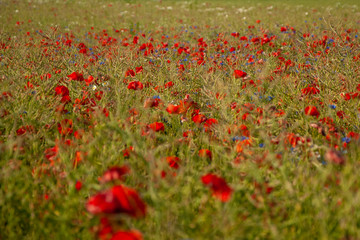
[
  {"x": 118, "y": 199},
  {"x": 218, "y": 186},
  {"x": 335, "y": 157},
  {"x": 312, "y": 111},
  {"x": 127, "y": 235}
]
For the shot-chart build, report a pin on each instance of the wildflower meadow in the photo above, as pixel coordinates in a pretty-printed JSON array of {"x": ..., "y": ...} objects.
[{"x": 130, "y": 120}]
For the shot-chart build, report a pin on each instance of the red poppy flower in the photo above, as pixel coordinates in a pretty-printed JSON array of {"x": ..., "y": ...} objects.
[
  {"x": 312, "y": 111},
  {"x": 51, "y": 153},
  {"x": 242, "y": 144},
  {"x": 102, "y": 203},
  {"x": 99, "y": 95},
  {"x": 354, "y": 135},
  {"x": 89, "y": 80},
  {"x": 209, "y": 123},
  {"x": 153, "y": 102},
  {"x": 105, "y": 228},
  {"x": 76, "y": 76},
  {"x": 24, "y": 129},
  {"x": 65, "y": 127},
  {"x": 79, "y": 157},
  {"x": 292, "y": 139},
  {"x": 135, "y": 39},
  {"x": 78, "y": 134},
  {"x": 65, "y": 99},
  {"x": 187, "y": 134},
  {"x": 130, "y": 72},
  {"x": 157, "y": 126},
  {"x": 310, "y": 90},
  {"x": 341, "y": 114},
  {"x": 135, "y": 85},
  {"x": 115, "y": 173},
  {"x": 129, "y": 201},
  {"x": 78, "y": 185},
  {"x": 198, "y": 118},
  {"x": 21, "y": 131},
  {"x": 173, "y": 109},
  {"x": 218, "y": 186},
  {"x": 350, "y": 95},
  {"x": 205, "y": 153},
  {"x": 118, "y": 199},
  {"x": 61, "y": 91},
  {"x": 173, "y": 161},
  {"x": 127, "y": 235},
  {"x": 239, "y": 74},
  {"x": 186, "y": 104},
  {"x": 139, "y": 69},
  {"x": 5, "y": 95},
  {"x": 126, "y": 152},
  {"x": 169, "y": 84}
]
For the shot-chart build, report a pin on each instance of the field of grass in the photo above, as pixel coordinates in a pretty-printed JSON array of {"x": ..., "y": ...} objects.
[{"x": 179, "y": 120}]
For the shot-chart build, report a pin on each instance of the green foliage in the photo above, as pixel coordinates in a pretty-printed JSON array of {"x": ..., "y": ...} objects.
[{"x": 281, "y": 189}]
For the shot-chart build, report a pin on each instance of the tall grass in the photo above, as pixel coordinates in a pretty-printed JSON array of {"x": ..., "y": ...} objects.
[{"x": 293, "y": 174}]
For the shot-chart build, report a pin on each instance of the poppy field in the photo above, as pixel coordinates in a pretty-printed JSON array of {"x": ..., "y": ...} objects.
[{"x": 179, "y": 120}]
